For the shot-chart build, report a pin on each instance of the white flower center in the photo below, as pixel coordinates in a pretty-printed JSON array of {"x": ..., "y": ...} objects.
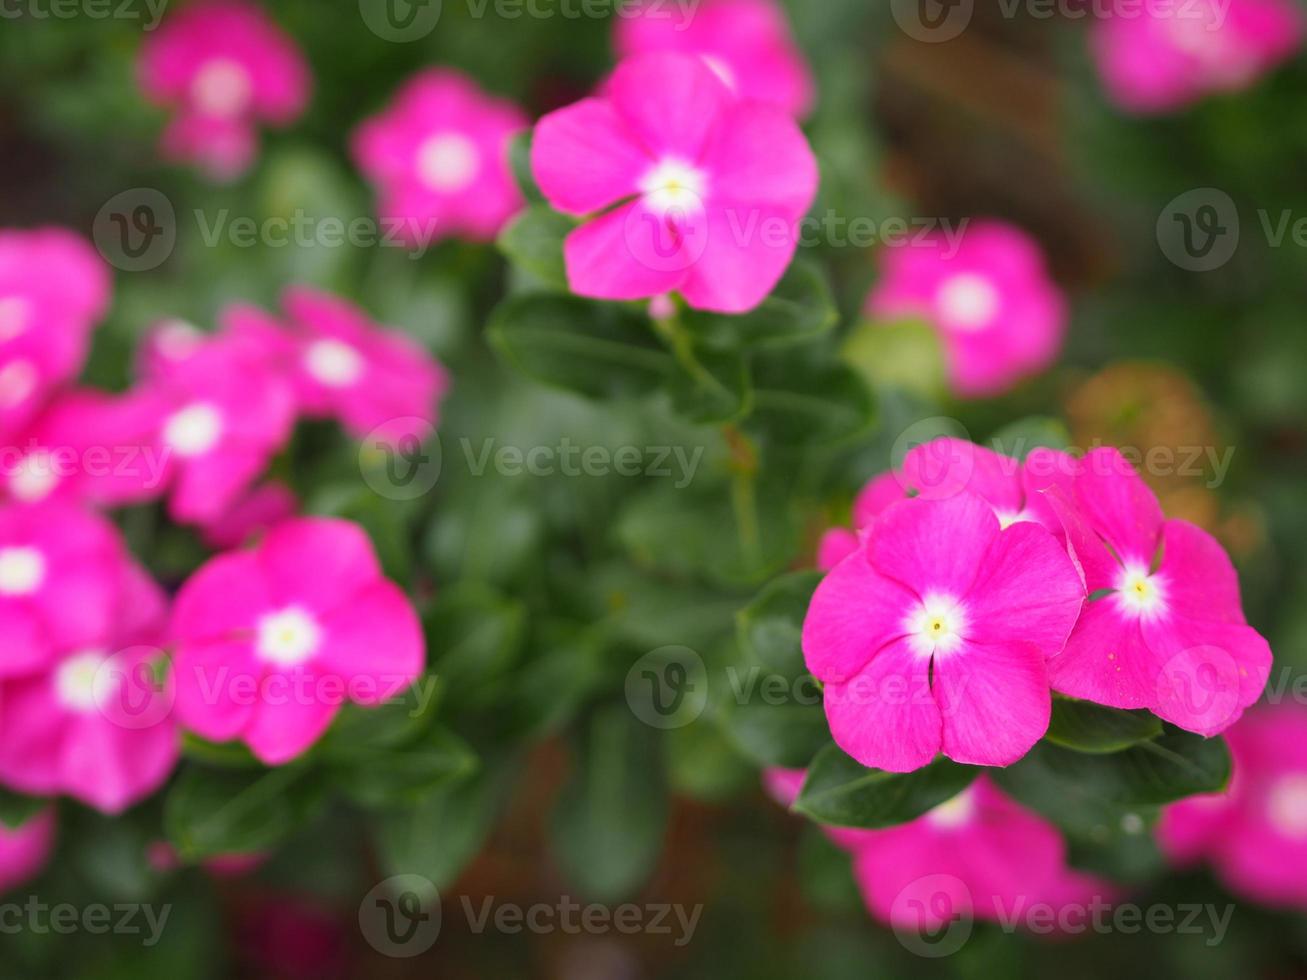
[
  {"x": 34, "y": 476},
  {"x": 937, "y": 625},
  {"x": 22, "y": 570},
  {"x": 334, "y": 363},
  {"x": 1286, "y": 806},
  {"x": 722, "y": 70},
  {"x": 15, "y": 315},
  {"x": 448, "y": 162},
  {"x": 953, "y": 813},
  {"x": 1007, "y": 518},
  {"x": 193, "y": 430},
  {"x": 222, "y": 88},
  {"x": 967, "y": 302},
  {"x": 178, "y": 339},
  {"x": 674, "y": 185},
  {"x": 79, "y": 683},
  {"x": 288, "y": 637},
  {"x": 1140, "y": 593},
  {"x": 18, "y": 380}
]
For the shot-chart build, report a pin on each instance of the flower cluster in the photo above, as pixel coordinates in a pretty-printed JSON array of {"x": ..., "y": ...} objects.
[{"x": 976, "y": 585}]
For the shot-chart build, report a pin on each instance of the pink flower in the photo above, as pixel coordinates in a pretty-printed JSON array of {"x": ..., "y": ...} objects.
[
  {"x": 60, "y": 573},
  {"x": 162, "y": 857},
  {"x": 258, "y": 511},
  {"x": 933, "y": 635},
  {"x": 688, "y": 187},
  {"x": 344, "y": 365},
  {"x": 24, "y": 850},
  {"x": 439, "y": 157},
  {"x": 1167, "y": 632},
  {"x": 979, "y": 855},
  {"x": 1254, "y": 834},
  {"x": 271, "y": 641},
  {"x": 168, "y": 343},
  {"x": 224, "y": 66},
  {"x": 746, "y": 42},
  {"x": 95, "y": 725},
  {"x": 1000, "y": 317},
  {"x": 53, "y": 288},
  {"x": 1158, "y": 61},
  {"x": 838, "y": 543},
  {"x": 212, "y": 423}
]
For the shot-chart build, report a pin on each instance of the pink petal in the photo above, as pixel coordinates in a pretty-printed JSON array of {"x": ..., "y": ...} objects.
[
  {"x": 283, "y": 731},
  {"x": 584, "y": 157},
  {"x": 1027, "y": 588},
  {"x": 1208, "y": 672},
  {"x": 994, "y": 701},
  {"x": 1119, "y": 505},
  {"x": 759, "y": 157},
  {"x": 1043, "y": 470},
  {"x": 671, "y": 102},
  {"x": 626, "y": 254},
  {"x": 945, "y": 467},
  {"x": 934, "y": 545},
  {"x": 835, "y": 545},
  {"x": 885, "y": 717},
  {"x": 24, "y": 646},
  {"x": 375, "y": 643},
  {"x": 1200, "y": 580},
  {"x": 216, "y": 686},
  {"x": 1106, "y": 660},
  {"x": 908, "y": 879},
  {"x": 110, "y": 767},
  {"x": 741, "y": 258},
  {"x": 1086, "y": 549},
  {"x": 209, "y": 485},
  {"x": 225, "y": 595},
  {"x": 853, "y": 614},
  {"x": 318, "y": 562},
  {"x": 876, "y": 497}
]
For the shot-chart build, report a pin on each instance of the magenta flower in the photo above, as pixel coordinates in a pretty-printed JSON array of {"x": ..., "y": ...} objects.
[
  {"x": 980, "y": 855},
  {"x": 271, "y": 641},
  {"x": 933, "y": 635},
  {"x": 1254, "y": 834},
  {"x": 60, "y": 572},
  {"x": 224, "y": 66},
  {"x": 1158, "y": 61},
  {"x": 687, "y": 187},
  {"x": 96, "y": 725},
  {"x": 211, "y": 423},
  {"x": 1167, "y": 631},
  {"x": 53, "y": 288},
  {"x": 264, "y": 507},
  {"x": 999, "y": 316},
  {"x": 439, "y": 159},
  {"x": 838, "y": 543},
  {"x": 746, "y": 42},
  {"x": 24, "y": 850}
]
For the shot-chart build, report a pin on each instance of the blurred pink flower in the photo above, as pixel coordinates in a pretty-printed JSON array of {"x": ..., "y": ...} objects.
[
  {"x": 258, "y": 511},
  {"x": 344, "y": 365},
  {"x": 838, "y": 543},
  {"x": 24, "y": 850},
  {"x": 1254, "y": 834},
  {"x": 1168, "y": 631},
  {"x": 1161, "y": 60},
  {"x": 1000, "y": 317},
  {"x": 980, "y": 855},
  {"x": 53, "y": 289},
  {"x": 688, "y": 188},
  {"x": 162, "y": 856},
  {"x": 224, "y": 66},
  {"x": 933, "y": 635},
  {"x": 60, "y": 576},
  {"x": 96, "y": 726},
  {"x": 746, "y": 42},
  {"x": 271, "y": 641},
  {"x": 438, "y": 156}
]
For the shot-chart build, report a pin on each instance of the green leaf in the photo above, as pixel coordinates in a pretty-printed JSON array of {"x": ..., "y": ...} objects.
[
  {"x": 1087, "y": 727},
  {"x": 519, "y": 161},
  {"x": 226, "y": 811},
  {"x": 534, "y": 241},
  {"x": 598, "y": 350},
  {"x": 405, "y": 774},
  {"x": 807, "y": 401},
  {"x": 770, "y": 628},
  {"x": 16, "y": 809},
  {"x": 359, "y": 730},
  {"x": 474, "y": 636},
  {"x": 1092, "y": 794},
  {"x": 781, "y": 725},
  {"x": 715, "y": 388},
  {"x": 842, "y": 792},
  {"x": 798, "y": 309},
  {"x": 609, "y": 821}
]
